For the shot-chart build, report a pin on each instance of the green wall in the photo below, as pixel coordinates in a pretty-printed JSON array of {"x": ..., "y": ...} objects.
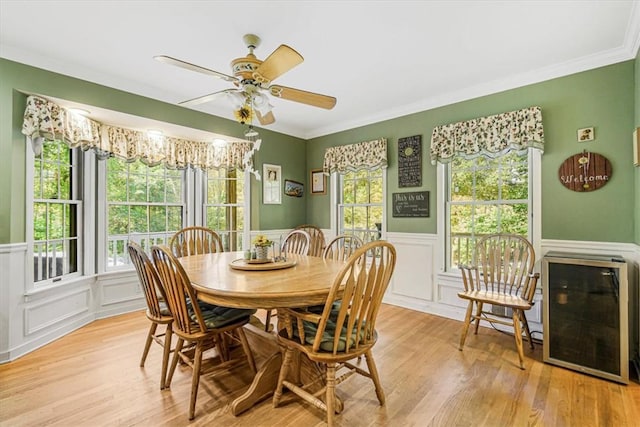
[
  {"x": 602, "y": 98},
  {"x": 606, "y": 98},
  {"x": 17, "y": 79},
  {"x": 637, "y": 169}
]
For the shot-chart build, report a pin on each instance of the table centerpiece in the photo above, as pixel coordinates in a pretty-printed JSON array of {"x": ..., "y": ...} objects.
[{"x": 261, "y": 244}]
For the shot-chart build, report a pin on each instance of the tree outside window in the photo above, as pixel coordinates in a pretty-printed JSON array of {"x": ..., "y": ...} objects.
[
  {"x": 144, "y": 204},
  {"x": 486, "y": 196},
  {"x": 360, "y": 209}
]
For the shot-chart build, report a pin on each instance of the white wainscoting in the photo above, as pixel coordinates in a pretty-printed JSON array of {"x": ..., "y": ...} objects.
[
  {"x": 31, "y": 319},
  {"x": 419, "y": 284}
]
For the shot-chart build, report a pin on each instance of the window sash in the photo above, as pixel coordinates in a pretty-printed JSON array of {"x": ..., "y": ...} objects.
[
  {"x": 138, "y": 178},
  {"x": 57, "y": 249},
  {"x": 464, "y": 241},
  {"x": 371, "y": 231},
  {"x": 234, "y": 217}
]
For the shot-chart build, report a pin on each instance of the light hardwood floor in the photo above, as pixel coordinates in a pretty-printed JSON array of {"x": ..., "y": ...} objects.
[{"x": 92, "y": 378}]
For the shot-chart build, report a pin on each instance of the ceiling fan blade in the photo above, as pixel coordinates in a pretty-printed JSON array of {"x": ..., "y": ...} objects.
[
  {"x": 193, "y": 67},
  {"x": 266, "y": 119},
  {"x": 304, "y": 97},
  {"x": 279, "y": 62},
  {"x": 205, "y": 98}
]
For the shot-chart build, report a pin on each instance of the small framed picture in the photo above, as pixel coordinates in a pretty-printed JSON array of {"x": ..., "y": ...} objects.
[
  {"x": 271, "y": 178},
  {"x": 293, "y": 188},
  {"x": 318, "y": 182},
  {"x": 586, "y": 134}
]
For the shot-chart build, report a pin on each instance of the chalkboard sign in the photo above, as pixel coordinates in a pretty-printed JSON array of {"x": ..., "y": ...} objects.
[
  {"x": 410, "y": 161},
  {"x": 411, "y": 205}
]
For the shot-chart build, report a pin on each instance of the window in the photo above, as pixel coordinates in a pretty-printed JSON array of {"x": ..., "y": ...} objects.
[
  {"x": 57, "y": 212},
  {"x": 486, "y": 196},
  {"x": 144, "y": 204},
  {"x": 224, "y": 206},
  {"x": 361, "y": 204}
]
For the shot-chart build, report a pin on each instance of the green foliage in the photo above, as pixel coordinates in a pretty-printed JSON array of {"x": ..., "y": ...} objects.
[
  {"x": 139, "y": 198},
  {"x": 487, "y": 196},
  {"x": 52, "y": 192},
  {"x": 361, "y": 207}
]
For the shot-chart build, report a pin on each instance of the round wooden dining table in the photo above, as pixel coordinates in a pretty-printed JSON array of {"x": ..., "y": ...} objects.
[{"x": 216, "y": 281}]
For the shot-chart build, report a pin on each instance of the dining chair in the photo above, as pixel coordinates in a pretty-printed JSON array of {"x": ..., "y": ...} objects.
[
  {"x": 157, "y": 311},
  {"x": 195, "y": 240},
  {"x": 296, "y": 242},
  {"x": 316, "y": 244},
  {"x": 342, "y": 247},
  {"x": 501, "y": 275},
  {"x": 343, "y": 331},
  {"x": 201, "y": 326}
]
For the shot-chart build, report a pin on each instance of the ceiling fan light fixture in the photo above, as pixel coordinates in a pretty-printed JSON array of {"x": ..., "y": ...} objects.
[
  {"x": 237, "y": 99},
  {"x": 261, "y": 103}
]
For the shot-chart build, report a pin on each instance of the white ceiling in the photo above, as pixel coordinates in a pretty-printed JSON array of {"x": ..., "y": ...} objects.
[{"x": 380, "y": 59}]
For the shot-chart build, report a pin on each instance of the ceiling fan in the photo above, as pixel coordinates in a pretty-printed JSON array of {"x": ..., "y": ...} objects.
[{"x": 252, "y": 78}]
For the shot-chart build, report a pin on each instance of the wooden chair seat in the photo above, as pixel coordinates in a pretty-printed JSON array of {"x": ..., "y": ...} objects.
[
  {"x": 325, "y": 353},
  {"x": 497, "y": 298},
  {"x": 216, "y": 317}
]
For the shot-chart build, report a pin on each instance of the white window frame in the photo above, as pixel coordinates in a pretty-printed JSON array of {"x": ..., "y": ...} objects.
[
  {"x": 335, "y": 197},
  {"x": 187, "y": 182},
  {"x": 200, "y": 198},
  {"x": 86, "y": 208},
  {"x": 535, "y": 210}
]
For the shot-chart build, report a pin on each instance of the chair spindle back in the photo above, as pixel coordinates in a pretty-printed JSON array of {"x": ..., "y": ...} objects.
[
  {"x": 195, "y": 241},
  {"x": 149, "y": 280},
  {"x": 342, "y": 247},
  {"x": 178, "y": 291}
]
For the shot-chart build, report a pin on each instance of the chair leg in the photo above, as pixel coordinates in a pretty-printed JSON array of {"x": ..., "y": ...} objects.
[
  {"x": 373, "y": 371},
  {"x": 465, "y": 326},
  {"x": 223, "y": 349},
  {"x": 247, "y": 349},
  {"x": 286, "y": 363},
  {"x": 525, "y": 325},
  {"x": 267, "y": 322},
  {"x": 478, "y": 316},
  {"x": 147, "y": 345},
  {"x": 517, "y": 332},
  {"x": 195, "y": 380},
  {"x": 330, "y": 399},
  {"x": 165, "y": 355},
  {"x": 174, "y": 362}
]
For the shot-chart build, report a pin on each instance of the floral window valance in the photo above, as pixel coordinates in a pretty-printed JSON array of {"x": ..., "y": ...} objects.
[
  {"x": 489, "y": 136},
  {"x": 45, "y": 120},
  {"x": 353, "y": 157}
]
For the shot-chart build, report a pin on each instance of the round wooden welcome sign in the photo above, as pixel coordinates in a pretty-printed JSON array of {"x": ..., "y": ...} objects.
[{"x": 585, "y": 172}]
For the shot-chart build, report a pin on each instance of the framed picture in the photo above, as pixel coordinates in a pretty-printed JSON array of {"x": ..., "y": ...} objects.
[
  {"x": 586, "y": 134},
  {"x": 293, "y": 188},
  {"x": 318, "y": 182},
  {"x": 271, "y": 178}
]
